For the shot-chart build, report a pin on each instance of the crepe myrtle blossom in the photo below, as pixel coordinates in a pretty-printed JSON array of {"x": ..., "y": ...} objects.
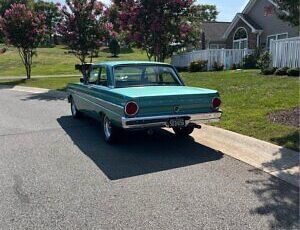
[
  {"x": 83, "y": 27},
  {"x": 24, "y": 29},
  {"x": 155, "y": 24}
]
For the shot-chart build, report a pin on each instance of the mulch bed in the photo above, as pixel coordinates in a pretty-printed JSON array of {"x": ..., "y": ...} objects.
[{"x": 286, "y": 117}]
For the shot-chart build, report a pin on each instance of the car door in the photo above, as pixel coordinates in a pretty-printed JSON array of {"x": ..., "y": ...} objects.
[{"x": 97, "y": 89}]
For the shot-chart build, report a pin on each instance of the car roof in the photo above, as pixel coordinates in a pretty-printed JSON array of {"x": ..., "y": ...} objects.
[{"x": 115, "y": 63}]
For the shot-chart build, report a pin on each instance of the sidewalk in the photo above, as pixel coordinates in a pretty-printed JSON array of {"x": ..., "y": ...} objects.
[
  {"x": 273, "y": 159},
  {"x": 38, "y": 76}
]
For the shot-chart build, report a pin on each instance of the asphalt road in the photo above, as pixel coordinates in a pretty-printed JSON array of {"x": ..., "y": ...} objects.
[{"x": 57, "y": 173}]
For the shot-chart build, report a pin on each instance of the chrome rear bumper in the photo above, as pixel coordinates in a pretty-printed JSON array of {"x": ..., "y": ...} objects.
[{"x": 163, "y": 121}]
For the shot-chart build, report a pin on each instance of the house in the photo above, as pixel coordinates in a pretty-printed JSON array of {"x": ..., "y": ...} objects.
[
  {"x": 256, "y": 26},
  {"x": 212, "y": 35}
]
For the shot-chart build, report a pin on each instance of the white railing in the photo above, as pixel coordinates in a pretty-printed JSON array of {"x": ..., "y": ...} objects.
[
  {"x": 286, "y": 52},
  {"x": 227, "y": 57}
]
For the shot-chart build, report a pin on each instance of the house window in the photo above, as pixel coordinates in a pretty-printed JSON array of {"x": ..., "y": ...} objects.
[
  {"x": 275, "y": 37},
  {"x": 240, "y": 39}
]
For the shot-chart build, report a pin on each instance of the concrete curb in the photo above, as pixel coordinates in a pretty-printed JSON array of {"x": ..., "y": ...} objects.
[{"x": 273, "y": 159}]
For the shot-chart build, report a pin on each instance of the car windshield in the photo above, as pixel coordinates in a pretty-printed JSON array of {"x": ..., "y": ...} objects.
[{"x": 144, "y": 75}]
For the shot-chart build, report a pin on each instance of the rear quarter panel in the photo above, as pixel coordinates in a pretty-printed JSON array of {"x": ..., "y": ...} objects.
[{"x": 95, "y": 100}]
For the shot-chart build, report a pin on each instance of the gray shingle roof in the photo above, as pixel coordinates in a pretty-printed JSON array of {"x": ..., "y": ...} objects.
[{"x": 214, "y": 30}]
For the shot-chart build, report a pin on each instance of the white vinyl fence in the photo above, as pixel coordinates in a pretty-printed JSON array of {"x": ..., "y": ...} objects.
[
  {"x": 227, "y": 57},
  {"x": 286, "y": 52}
]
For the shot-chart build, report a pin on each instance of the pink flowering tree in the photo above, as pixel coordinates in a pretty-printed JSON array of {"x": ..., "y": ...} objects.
[
  {"x": 83, "y": 27},
  {"x": 23, "y": 29},
  {"x": 160, "y": 27}
]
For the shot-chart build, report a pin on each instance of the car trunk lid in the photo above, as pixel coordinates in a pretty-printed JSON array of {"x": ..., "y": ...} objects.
[{"x": 166, "y": 100}]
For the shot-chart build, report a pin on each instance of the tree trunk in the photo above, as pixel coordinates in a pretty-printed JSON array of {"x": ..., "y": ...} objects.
[{"x": 26, "y": 57}]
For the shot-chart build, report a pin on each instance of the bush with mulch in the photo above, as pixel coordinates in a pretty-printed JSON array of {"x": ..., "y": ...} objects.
[
  {"x": 281, "y": 71},
  {"x": 198, "y": 66},
  {"x": 268, "y": 71},
  {"x": 294, "y": 72}
]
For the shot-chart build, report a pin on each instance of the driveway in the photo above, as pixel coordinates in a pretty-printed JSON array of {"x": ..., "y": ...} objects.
[{"x": 57, "y": 173}]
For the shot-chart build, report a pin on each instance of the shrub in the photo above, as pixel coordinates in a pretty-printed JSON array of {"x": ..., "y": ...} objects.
[
  {"x": 217, "y": 67},
  {"x": 197, "y": 66},
  {"x": 264, "y": 61},
  {"x": 268, "y": 71},
  {"x": 293, "y": 72},
  {"x": 238, "y": 66},
  {"x": 249, "y": 61},
  {"x": 114, "y": 47},
  {"x": 233, "y": 66},
  {"x": 281, "y": 71},
  {"x": 3, "y": 50}
]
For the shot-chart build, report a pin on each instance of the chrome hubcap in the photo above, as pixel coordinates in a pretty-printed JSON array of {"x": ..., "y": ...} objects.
[{"x": 107, "y": 127}]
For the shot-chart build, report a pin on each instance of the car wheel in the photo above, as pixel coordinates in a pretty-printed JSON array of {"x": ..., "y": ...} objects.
[
  {"x": 75, "y": 112},
  {"x": 183, "y": 131},
  {"x": 110, "y": 131}
]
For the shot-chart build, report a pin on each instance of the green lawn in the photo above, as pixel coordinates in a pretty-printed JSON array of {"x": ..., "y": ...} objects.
[
  {"x": 247, "y": 96},
  {"x": 247, "y": 99},
  {"x": 51, "y": 61}
]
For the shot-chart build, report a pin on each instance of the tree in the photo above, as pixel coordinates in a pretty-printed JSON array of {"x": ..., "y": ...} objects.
[
  {"x": 114, "y": 47},
  {"x": 52, "y": 16},
  {"x": 288, "y": 10},
  {"x": 206, "y": 13},
  {"x": 6, "y": 4},
  {"x": 23, "y": 29},
  {"x": 159, "y": 27},
  {"x": 83, "y": 27}
]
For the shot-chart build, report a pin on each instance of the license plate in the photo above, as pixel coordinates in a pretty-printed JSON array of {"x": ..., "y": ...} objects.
[{"x": 177, "y": 122}]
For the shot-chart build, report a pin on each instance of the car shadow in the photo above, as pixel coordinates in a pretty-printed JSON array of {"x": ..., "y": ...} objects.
[{"x": 137, "y": 153}]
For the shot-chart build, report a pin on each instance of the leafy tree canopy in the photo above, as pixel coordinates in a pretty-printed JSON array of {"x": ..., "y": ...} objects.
[
  {"x": 288, "y": 10},
  {"x": 6, "y": 4},
  {"x": 52, "y": 15},
  {"x": 24, "y": 29},
  {"x": 83, "y": 27},
  {"x": 157, "y": 26},
  {"x": 204, "y": 13}
]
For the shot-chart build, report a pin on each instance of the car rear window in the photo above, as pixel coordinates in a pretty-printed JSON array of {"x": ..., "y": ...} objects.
[{"x": 144, "y": 75}]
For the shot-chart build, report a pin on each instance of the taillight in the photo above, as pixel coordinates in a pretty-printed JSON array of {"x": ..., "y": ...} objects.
[
  {"x": 215, "y": 103},
  {"x": 131, "y": 108}
]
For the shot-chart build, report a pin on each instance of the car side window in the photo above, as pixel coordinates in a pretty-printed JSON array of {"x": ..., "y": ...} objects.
[
  {"x": 103, "y": 77},
  {"x": 93, "y": 76}
]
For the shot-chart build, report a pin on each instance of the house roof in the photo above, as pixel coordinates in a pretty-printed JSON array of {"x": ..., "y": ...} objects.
[
  {"x": 248, "y": 21},
  {"x": 214, "y": 30},
  {"x": 244, "y": 16}
]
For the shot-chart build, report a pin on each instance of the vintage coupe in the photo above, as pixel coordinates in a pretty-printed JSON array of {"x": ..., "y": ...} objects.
[{"x": 141, "y": 95}]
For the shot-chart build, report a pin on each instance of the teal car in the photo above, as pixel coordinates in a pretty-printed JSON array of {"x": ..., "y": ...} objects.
[{"x": 141, "y": 95}]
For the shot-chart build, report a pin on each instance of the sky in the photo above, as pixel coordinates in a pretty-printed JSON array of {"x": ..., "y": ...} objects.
[{"x": 227, "y": 8}]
